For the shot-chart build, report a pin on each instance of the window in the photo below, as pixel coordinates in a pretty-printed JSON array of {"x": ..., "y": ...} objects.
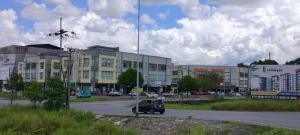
[
  {"x": 27, "y": 76},
  {"x": 126, "y": 64},
  {"x": 162, "y": 67},
  {"x": 106, "y": 75},
  {"x": 41, "y": 75},
  {"x": 241, "y": 74},
  {"x": 55, "y": 74},
  {"x": 41, "y": 65},
  {"x": 175, "y": 73},
  {"x": 86, "y": 62},
  {"x": 56, "y": 65},
  {"x": 107, "y": 62},
  {"x": 27, "y": 66},
  {"x": 140, "y": 65},
  {"x": 152, "y": 67},
  {"x": 33, "y": 66},
  {"x": 246, "y": 74},
  {"x": 33, "y": 76},
  {"x": 86, "y": 74}
]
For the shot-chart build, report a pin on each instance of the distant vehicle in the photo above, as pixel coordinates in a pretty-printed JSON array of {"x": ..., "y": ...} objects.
[
  {"x": 6, "y": 91},
  {"x": 152, "y": 95},
  {"x": 169, "y": 94},
  {"x": 83, "y": 94},
  {"x": 186, "y": 93},
  {"x": 238, "y": 95},
  {"x": 151, "y": 106},
  {"x": 115, "y": 93},
  {"x": 133, "y": 93}
]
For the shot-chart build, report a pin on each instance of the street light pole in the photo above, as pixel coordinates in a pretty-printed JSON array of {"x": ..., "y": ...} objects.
[{"x": 137, "y": 62}]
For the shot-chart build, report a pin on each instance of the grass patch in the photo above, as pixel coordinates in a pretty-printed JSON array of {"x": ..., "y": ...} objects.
[
  {"x": 16, "y": 120},
  {"x": 200, "y": 106},
  {"x": 8, "y": 96},
  {"x": 92, "y": 99},
  {"x": 257, "y": 105},
  {"x": 241, "y": 105}
]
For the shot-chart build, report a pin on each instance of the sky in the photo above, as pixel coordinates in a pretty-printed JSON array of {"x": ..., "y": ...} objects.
[{"x": 206, "y": 32}]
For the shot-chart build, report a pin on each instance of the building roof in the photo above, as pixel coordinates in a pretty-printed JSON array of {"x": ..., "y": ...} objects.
[
  {"x": 45, "y": 46},
  {"x": 103, "y": 47}
]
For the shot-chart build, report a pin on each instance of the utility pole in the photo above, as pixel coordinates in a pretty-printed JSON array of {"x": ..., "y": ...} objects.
[
  {"x": 69, "y": 73},
  {"x": 137, "y": 61},
  {"x": 62, "y": 34}
]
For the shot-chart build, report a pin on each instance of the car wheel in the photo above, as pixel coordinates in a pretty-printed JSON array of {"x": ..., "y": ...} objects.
[
  {"x": 144, "y": 112},
  {"x": 162, "y": 112}
]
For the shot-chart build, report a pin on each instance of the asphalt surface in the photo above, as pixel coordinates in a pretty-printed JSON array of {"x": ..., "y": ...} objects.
[{"x": 289, "y": 120}]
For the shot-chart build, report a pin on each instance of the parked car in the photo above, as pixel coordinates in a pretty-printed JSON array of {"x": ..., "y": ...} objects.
[
  {"x": 169, "y": 94},
  {"x": 151, "y": 95},
  {"x": 133, "y": 93},
  {"x": 186, "y": 93},
  {"x": 151, "y": 106},
  {"x": 115, "y": 93},
  {"x": 83, "y": 94}
]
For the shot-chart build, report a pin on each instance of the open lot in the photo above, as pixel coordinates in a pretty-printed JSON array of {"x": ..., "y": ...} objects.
[{"x": 289, "y": 120}]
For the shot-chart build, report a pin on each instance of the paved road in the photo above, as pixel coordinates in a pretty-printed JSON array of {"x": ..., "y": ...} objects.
[{"x": 277, "y": 119}]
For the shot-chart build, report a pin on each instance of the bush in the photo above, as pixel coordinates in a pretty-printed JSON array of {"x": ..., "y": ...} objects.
[
  {"x": 55, "y": 94},
  {"x": 17, "y": 120},
  {"x": 34, "y": 92}
]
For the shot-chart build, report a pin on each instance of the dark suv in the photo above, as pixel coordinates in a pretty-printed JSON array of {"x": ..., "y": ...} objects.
[{"x": 151, "y": 106}]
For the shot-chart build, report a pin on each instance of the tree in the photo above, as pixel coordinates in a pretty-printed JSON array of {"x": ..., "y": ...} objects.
[
  {"x": 15, "y": 84},
  {"x": 208, "y": 81},
  {"x": 293, "y": 62},
  {"x": 1, "y": 84},
  {"x": 34, "y": 92},
  {"x": 55, "y": 94},
  {"x": 128, "y": 78},
  {"x": 265, "y": 62},
  {"x": 187, "y": 84},
  {"x": 242, "y": 65}
]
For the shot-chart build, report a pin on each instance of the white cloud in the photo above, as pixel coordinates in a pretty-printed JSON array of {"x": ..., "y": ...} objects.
[
  {"x": 40, "y": 12},
  {"x": 146, "y": 19},
  {"x": 227, "y": 36},
  {"x": 163, "y": 16},
  {"x": 112, "y": 8},
  {"x": 36, "y": 12}
]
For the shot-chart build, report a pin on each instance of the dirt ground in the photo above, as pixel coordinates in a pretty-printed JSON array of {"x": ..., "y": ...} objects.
[{"x": 172, "y": 126}]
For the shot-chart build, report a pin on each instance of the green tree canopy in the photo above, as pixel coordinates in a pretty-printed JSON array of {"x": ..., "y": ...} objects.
[
  {"x": 34, "y": 92},
  {"x": 127, "y": 79},
  {"x": 208, "y": 81},
  {"x": 293, "y": 62},
  {"x": 242, "y": 65},
  {"x": 265, "y": 62},
  {"x": 55, "y": 94},
  {"x": 187, "y": 84},
  {"x": 15, "y": 82}
]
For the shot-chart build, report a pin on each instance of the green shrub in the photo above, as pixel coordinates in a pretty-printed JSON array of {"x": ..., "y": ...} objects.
[
  {"x": 16, "y": 120},
  {"x": 55, "y": 94},
  {"x": 34, "y": 92}
]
